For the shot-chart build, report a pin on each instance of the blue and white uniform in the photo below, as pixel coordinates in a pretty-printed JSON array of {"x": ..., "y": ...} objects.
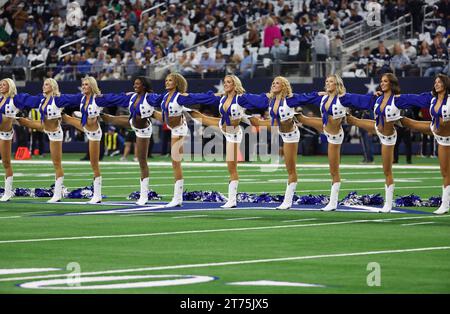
[
  {"x": 143, "y": 107},
  {"x": 9, "y": 107},
  {"x": 337, "y": 109}
]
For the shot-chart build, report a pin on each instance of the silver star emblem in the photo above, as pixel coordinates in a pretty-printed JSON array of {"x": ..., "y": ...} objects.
[
  {"x": 371, "y": 87},
  {"x": 219, "y": 87}
]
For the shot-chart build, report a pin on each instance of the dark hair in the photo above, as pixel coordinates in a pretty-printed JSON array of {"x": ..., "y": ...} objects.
[
  {"x": 445, "y": 80},
  {"x": 146, "y": 82},
  {"x": 393, "y": 80}
]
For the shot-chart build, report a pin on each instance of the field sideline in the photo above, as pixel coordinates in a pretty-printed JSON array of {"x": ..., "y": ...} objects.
[{"x": 203, "y": 249}]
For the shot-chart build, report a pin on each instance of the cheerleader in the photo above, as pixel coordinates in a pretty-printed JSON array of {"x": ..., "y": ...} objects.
[
  {"x": 91, "y": 103},
  {"x": 231, "y": 107},
  {"x": 281, "y": 102},
  {"x": 141, "y": 105},
  {"x": 10, "y": 103},
  {"x": 439, "y": 103},
  {"x": 49, "y": 104},
  {"x": 387, "y": 112},
  {"x": 173, "y": 113}
]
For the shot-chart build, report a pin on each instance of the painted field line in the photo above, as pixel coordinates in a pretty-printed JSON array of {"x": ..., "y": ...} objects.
[
  {"x": 294, "y": 220},
  {"x": 205, "y": 231},
  {"x": 191, "y": 216},
  {"x": 242, "y": 262},
  {"x": 419, "y": 223},
  {"x": 243, "y": 218},
  {"x": 223, "y": 164},
  {"x": 10, "y": 217},
  {"x": 145, "y": 214},
  {"x": 40, "y": 212}
]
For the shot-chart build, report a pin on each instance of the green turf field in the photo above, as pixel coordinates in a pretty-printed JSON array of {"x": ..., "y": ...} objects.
[{"x": 218, "y": 251}]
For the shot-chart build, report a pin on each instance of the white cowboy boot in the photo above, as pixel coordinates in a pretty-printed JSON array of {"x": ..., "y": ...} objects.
[
  {"x": 288, "y": 196},
  {"x": 177, "y": 199},
  {"x": 332, "y": 204},
  {"x": 8, "y": 190},
  {"x": 57, "y": 191},
  {"x": 97, "y": 197},
  {"x": 232, "y": 193},
  {"x": 389, "y": 197},
  {"x": 143, "y": 198},
  {"x": 443, "y": 209}
]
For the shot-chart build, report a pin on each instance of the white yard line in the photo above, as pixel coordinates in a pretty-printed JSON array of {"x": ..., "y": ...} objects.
[
  {"x": 118, "y": 236},
  {"x": 294, "y": 220},
  {"x": 10, "y": 217},
  {"x": 191, "y": 216},
  {"x": 243, "y": 218},
  {"x": 242, "y": 262},
  {"x": 223, "y": 164},
  {"x": 419, "y": 223}
]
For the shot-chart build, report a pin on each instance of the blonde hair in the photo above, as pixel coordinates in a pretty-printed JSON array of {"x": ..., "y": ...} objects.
[
  {"x": 93, "y": 84},
  {"x": 54, "y": 85},
  {"x": 340, "y": 88},
  {"x": 286, "y": 89},
  {"x": 12, "y": 89},
  {"x": 238, "y": 88},
  {"x": 270, "y": 21},
  {"x": 180, "y": 82}
]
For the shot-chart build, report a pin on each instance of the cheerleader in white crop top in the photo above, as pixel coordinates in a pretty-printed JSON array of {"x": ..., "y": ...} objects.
[
  {"x": 173, "y": 114},
  {"x": 281, "y": 102},
  {"x": 10, "y": 104},
  {"x": 386, "y": 111},
  {"x": 142, "y": 105},
  {"x": 231, "y": 107},
  {"x": 91, "y": 103},
  {"x": 333, "y": 108},
  {"x": 438, "y": 103},
  {"x": 49, "y": 105}
]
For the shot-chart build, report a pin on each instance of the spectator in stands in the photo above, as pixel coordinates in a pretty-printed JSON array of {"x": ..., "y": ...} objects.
[
  {"x": 443, "y": 12},
  {"x": 140, "y": 42},
  {"x": 271, "y": 31},
  {"x": 437, "y": 63},
  {"x": 290, "y": 24},
  {"x": 19, "y": 63},
  {"x": 55, "y": 40},
  {"x": 189, "y": 38},
  {"x": 423, "y": 61},
  {"x": 202, "y": 34},
  {"x": 382, "y": 61},
  {"x": 253, "y": 38},
  {"x": 206, "y": 64},
  {"x": 219, "y": 64},
  {"x": 380, "y": 47},
  {"x": 83, "y": 67},
  {"x": 321, "y": 46},
  {"x": 247, "y": 66},
  {"x": 278, "y": 50},
  {"x": 410, "y": 51},
  {"x": 19, "y": 17},
  {"x": 97, "y": 66},
  {"x": 354, "y": 17},
  {"x": 335, "y": 30},
  {"x": 438, "y": 42},
  {"x": 365, "y": 61},
  {"x": 400, "y": 63}
]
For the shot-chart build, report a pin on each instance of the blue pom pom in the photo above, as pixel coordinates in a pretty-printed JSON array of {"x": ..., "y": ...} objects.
[
  {"x": 152, "y": 196},
  {"x": 81, "y": 193},
  {"x": 408, "y": 201},
  {"x": 22, "y": 192},
  {"x": 204, "y": 196},
  {"x": 41, "y": 192},
  {"x": 434, "y": 201},
  {"x": 312, "y": 200},
  {"x": 353, "y": 198}
]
